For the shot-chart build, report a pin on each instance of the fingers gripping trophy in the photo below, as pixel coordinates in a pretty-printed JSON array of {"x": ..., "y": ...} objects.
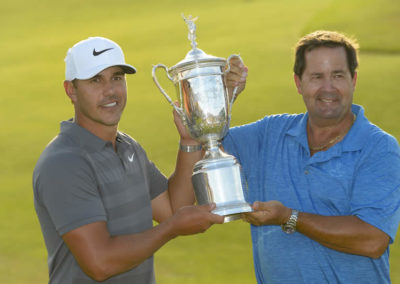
[{"x": 205, "y": 109}]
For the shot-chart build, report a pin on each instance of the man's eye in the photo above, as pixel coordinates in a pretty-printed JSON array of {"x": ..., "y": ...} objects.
[{"x": 119, "y": 78}]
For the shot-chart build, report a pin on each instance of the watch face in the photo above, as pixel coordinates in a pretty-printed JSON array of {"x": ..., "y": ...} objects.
[{"x": 288, "y": 229}]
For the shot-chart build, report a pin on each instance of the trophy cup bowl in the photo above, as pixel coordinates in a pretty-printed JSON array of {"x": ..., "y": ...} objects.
[{"x": 205, "y": 108}]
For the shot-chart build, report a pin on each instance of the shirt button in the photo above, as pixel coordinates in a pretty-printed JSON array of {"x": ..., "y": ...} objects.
[{"x": 306, "y": 172}]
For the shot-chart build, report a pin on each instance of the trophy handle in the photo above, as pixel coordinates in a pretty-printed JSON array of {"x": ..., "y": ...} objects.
[
  {"x": 178, "y": 110},
  {"x": 234, "y": 93}
]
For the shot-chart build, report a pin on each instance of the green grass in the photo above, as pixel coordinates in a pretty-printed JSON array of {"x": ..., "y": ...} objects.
[{"x": 36, "y": 34}]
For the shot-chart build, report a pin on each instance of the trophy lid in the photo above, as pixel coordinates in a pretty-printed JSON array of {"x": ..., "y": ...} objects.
[{"x": 196, "y": 58}]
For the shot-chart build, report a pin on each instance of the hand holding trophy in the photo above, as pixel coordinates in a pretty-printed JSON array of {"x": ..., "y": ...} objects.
[{"x": 205, "y": 109}]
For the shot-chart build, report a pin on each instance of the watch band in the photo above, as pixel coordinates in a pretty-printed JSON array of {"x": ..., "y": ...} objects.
[
  {"x": 290, "y": 226},
  {"x": 189, "y": 148}
]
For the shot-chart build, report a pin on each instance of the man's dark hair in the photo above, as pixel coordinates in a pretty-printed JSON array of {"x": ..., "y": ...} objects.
[{"x": 325, "y": 39}]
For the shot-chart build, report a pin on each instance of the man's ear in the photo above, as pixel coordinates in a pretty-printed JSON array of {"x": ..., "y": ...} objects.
[
  {"x": 297, "y": 81},
  {"x": 354, "y": 79},
  {"x": 70, "y": 90}
]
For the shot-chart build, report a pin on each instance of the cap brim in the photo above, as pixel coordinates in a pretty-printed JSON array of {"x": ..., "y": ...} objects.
[{"x": 129, "y": 69}]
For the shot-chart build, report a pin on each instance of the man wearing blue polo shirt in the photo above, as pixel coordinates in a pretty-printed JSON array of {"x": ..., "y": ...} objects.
[{"x": 325, "y": 185}]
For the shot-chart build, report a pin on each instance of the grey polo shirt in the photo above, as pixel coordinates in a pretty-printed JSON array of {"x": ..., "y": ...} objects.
[{"x": 80, "y": 179}]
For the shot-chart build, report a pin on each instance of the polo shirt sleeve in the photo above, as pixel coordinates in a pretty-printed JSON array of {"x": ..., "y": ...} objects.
[
  {"x": 243, "y": 141},
  {"x": 376, "y": 191},
  {"x": 67, "y": 189},
  {"x": 157, "y": 182}
]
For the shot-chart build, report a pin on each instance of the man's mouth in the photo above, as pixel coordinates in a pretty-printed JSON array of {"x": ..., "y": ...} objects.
[
  {"x": 112, "y": 104},
  {"x": 327, "y": 100}
]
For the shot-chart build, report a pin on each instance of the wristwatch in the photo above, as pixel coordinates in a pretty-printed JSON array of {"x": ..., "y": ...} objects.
[{"x": 290, "y": 226}]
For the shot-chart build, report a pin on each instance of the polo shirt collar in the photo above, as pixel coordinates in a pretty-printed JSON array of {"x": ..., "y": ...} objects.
[
  {"x": 122, "y": 138},
  {"x": 298, "y": 130},
  {"x": 358, "y": 134},
  {"x": 353, "y": 141},
  {"x": 81, "y": 135}
]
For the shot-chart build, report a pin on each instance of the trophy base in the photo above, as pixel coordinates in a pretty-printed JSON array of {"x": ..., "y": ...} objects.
[
  {"x": 232, "y": 211},
  {"x": 233, "y": 217},
  {"x": 220, "y": 181}
]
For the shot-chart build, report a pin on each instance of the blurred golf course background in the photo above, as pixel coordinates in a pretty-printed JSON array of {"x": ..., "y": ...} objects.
[{"x": 35, "y": 36}]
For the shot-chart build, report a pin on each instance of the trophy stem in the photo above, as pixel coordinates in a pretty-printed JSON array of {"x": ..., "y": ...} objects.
[{"x": 212, "y": 149}]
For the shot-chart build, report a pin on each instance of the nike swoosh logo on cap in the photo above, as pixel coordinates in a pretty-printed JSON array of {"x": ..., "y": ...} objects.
[{"x": 96, "y": 53}]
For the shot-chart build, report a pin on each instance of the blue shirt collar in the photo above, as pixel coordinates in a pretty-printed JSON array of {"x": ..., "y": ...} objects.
[{"x": 353, "y": 141}]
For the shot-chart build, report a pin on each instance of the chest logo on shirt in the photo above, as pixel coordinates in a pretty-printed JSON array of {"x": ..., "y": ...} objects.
[{"x": 130, "y": 158}]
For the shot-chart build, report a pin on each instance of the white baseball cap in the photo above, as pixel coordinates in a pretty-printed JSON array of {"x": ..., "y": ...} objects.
[{"x": 91, "y": 56}]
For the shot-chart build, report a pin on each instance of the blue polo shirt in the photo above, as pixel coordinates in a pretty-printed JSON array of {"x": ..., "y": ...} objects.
[{"x": 358, "y": 176}]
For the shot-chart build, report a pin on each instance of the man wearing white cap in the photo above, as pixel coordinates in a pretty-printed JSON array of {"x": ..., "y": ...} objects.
[{"x": 96, "y": 192}]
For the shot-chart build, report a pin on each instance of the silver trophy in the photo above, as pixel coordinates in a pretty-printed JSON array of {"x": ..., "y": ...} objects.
[{"x": 205, "y": 109}]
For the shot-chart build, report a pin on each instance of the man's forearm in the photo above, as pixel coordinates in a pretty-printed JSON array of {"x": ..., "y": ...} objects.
[
  {"x": 180, "y": 187},
  {"x": 347, "y": 234},
  {"x": 102, "y": 256}
]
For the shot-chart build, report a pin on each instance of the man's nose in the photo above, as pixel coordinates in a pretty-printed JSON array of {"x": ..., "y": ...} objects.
[
  {"x": 328, "y": 84},
  {"x": 108, "y": 87}
]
